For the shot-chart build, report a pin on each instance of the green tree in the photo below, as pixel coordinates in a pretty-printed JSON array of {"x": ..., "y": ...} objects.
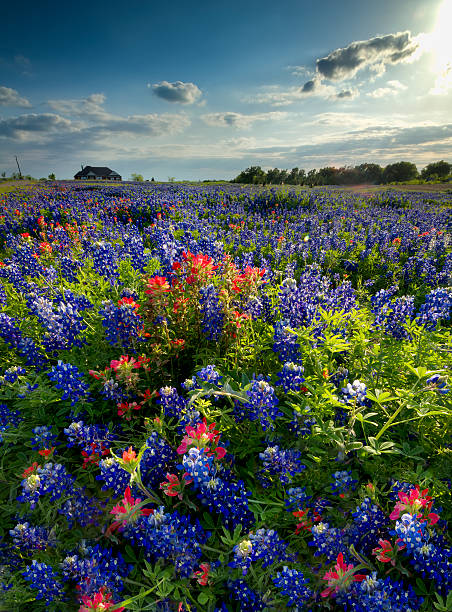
[
  {"x": 439, "y": 169},
  {"x": 136, "y": 177},
  {"x": 400, "y": 172},
  {"x": 252, "y": 175},
  {"x": 370, "y": 173},
  {"x": 52, "y": 176}
]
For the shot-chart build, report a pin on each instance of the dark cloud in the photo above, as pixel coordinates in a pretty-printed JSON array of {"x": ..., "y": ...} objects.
[
  {"x": 17, "y": 127},
  {"x": 10, "y": 97},
  {"x": 184, "y": 93},
  {"x": 374, "y": 53},
  {"x": 308, "y": 87}
]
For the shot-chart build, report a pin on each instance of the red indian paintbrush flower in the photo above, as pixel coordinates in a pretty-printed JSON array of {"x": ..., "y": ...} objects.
[{"x": 340, "y": 577}]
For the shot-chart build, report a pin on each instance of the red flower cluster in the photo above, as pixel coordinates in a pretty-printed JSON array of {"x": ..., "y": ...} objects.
[
  {"x": 417, "y": 503},
  {"x": 204, "y": 436}
]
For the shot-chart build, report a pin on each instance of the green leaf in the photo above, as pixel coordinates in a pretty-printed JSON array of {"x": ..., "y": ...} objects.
[{"x": 203, "y": 598}]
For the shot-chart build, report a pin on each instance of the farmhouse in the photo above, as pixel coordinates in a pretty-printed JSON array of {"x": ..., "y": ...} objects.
[{"x": 92, "y": 173}]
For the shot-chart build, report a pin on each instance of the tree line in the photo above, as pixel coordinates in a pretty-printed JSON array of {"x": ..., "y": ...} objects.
[{"x": 402, "y": 171}]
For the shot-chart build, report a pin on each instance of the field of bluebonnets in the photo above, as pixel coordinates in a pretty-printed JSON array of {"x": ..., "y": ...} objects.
[{"x": 223, "y": 398}]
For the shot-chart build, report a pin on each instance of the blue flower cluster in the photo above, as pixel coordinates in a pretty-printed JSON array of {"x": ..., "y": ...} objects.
[
  {"x": 263, "y": 404},
  {"x": 156, "y": 461},
  {"x": 284, "y": 464},
  {"x": 292, "y": 584},
  {"x": 43, "y": 438},
  {"x": 343, "y": 483},
  {"x": 8, "y": 419},
  {"x": 45, "y": 580},
  {"x": 248, "y": 600},
  {"x": 229, "y": 499},
  {"x": 95, "y": 567},
  {"x": 379, "y": 595},
  {"x": 26, "y": 347},
  {"x": 212, "y": 312},
  {"x": 265, "y": 545},
  {"x": 29, "y": 537},
  {"x": 69, "y": 379},
  {"x": 285, "y": 343},
  {"x": 170, "y": 537},
  {"x": 291, "y": 377},
  {"x": 52, "y": 478},
  {"x": 123, "y": 325}
]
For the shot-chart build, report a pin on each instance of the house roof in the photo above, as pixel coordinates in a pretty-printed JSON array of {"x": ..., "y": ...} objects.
[{"x": 97, "y": 170}]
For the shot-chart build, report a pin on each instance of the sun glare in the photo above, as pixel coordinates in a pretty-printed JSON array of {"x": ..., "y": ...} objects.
[{"x": 440, "y": 44}]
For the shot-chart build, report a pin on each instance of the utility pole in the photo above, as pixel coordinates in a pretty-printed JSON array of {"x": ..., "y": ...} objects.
[{"x": 17, "y": 162}]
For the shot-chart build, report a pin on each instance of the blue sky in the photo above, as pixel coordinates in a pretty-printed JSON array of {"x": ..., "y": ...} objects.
[{"x": 204, "y": 89}]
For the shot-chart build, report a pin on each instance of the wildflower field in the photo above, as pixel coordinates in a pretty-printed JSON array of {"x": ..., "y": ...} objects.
[{"x": 224, "y": 398}]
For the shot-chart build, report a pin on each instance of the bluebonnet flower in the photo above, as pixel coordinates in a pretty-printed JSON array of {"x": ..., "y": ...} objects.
[
  {"x": 248, "y": 600},
  {"x": 265, "y": 545},
  {"x": 356, "y": 391},
  {"x": 43, "y": 438},
  {"x": 29, "y": 537},
  {"x": 343, "y": 483},
  {"x": 50, "y": 479},
  {"x": 212, "y": 312},
  {"x": 209, "y": 375},
  {"x": 198, "y": 466},
  {"x": 3, "y": 298},
  {"x": 397, "y": 487},
  {"x": 292, "y": 584},
  {"x": 283, "y": 464},
  {"x": 45, "y": 580},
  {"x": 69, "y": 268},
  {"x": 437, "y": 383},
  {"x": 13, "y": 373},
  {"x": 94, "y": 567},
  {"x": 114, "y": 476},
  {"x": 391, "y": 314},
  {"x": 369, "y": 526},
  {"x": 263, "y": 404},
  {"x": 285, "y": 343},
  {"x": 379, "y": 595},
  {"x": 434, "y": 563},
  {"x": 170, "y": 537},
  {"x": 123, "y": 325},
  {"x": 291, "y": 377},
  {"x": 172, "y": 403},
  {"x": 80, "y": 508},
  {"x": 105, "y": 261},
  {"x": 94, "y": 440},
  {"x": 411, "y": 531},
  {"x": 302, "y": 422},
  {"x": 69, "y": 379},
  {"x": 26, "y": 347},
  {"x": 8, "y": 419},
  {"x": 228, "y": 499},
  {"x": 437, "y": 307},
  {"x": 156, "y": 460},
  {"x": 62, "y": 325},
  {"x": 329, "y": 541},
  {"x": 112, "y": 390},
  {"x": 296, "y": 498},
  {"x": 188, "y": 416},
  {"x": 24, "y": 257}
]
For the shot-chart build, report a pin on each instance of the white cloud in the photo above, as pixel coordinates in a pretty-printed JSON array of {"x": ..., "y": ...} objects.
[
  {"x": 392, "y": 88},
  {"x": 239, "y": 120},
  {"x": 10, "y": 97},
  {"x": 183, "y": 93}
]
